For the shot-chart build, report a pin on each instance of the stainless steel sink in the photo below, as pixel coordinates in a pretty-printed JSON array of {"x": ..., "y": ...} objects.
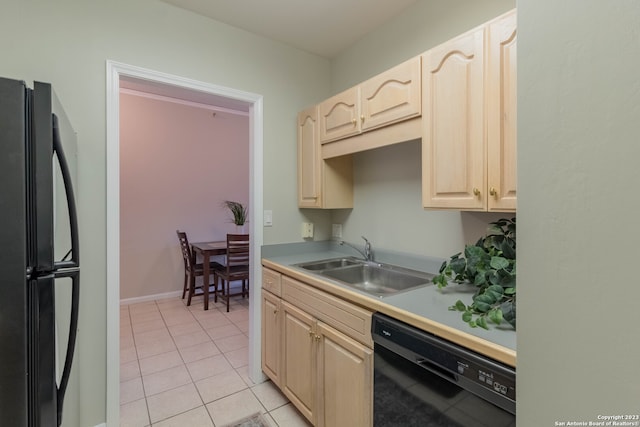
[
  {"x": 327, "y": 264},
  {"x": 379, "y": 280},
  {"x": 376, "y": 279}
]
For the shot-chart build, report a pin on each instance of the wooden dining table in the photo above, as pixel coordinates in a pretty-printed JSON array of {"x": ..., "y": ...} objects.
[{"x": 207, "y": 250}]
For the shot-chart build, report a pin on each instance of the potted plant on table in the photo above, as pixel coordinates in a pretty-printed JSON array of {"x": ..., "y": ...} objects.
[
  {"x": 490, "y": 265},
  {"x": 239, "y": 214}
]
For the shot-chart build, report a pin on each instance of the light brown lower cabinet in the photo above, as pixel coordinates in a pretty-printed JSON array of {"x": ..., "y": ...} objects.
[
  {"x": 325, "y": 373},
  {"x": 271, "y": 330},
  {"x": 344, "y": 368}
]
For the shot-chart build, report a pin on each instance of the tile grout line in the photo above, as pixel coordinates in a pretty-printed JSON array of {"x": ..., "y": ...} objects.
[{"x": 201, "y": 321}]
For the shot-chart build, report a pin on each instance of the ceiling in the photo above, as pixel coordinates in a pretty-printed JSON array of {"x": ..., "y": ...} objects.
[{"x": 321, "y": 27}]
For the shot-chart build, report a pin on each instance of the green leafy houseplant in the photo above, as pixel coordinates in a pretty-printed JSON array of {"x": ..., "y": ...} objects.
[
  {"x": 238, "y": 211},
  {"x": 490, "y": 265}
]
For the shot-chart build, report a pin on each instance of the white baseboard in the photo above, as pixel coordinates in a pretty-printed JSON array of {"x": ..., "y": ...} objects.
[{"x": 146, "y": 298}]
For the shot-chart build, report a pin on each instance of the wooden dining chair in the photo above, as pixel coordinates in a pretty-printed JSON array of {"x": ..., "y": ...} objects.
[
  {"x": 235, "y": 269},
  {"x": 193, "y": 269}
]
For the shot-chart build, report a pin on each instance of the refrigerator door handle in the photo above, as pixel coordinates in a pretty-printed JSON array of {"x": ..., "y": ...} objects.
[
  {"x": 71, "y": 203},
  {"x": 74, "y": 274}
]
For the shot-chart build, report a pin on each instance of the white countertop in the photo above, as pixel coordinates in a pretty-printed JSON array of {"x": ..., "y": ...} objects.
[{"x": 426, "y": 307}]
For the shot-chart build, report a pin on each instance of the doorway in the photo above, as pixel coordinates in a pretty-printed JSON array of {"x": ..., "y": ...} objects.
[{"x": 253, "y": 102}]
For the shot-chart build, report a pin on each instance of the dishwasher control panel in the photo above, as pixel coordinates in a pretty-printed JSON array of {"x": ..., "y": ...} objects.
[{"x": 487, "y": 378}]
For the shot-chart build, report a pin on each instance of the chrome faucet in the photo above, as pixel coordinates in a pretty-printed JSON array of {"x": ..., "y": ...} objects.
[{"x": 367, "y": 255}]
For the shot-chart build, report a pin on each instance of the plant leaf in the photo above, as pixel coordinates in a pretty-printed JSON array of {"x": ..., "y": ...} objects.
[
  {"x": 495, "y": 316},
  {"x": 442, "y": 267},
  {"x": 485, "y": 298},
  {"x": 498, "y": 262},
  {"x": 508, "y": 250},
  {"x": 440, "y": 280},
  {"x": 482, "y": 307},
  {"x": 458, "y": 265},
  {"x": 482, "y": 322},
  {"x": 495, "y": 291}
]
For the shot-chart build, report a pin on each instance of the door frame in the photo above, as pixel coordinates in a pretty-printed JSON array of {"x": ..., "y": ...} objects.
[{"x": 116, "y": 70}]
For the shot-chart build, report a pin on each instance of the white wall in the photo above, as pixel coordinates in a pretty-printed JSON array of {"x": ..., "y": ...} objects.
[
  {"x": 388, "y": 207},
  {"x": 178, "y": 163},
  {"x": 68, "y": 42},
  {"x": 578, "y": 151}
]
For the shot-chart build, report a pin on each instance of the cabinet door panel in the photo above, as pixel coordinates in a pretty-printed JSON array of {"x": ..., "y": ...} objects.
[
  {"x": 345, "y": 380},
  {"x": 340, "y": 115},
  {"x": 298, "y": 378},
  {"x": 501, "y": 136},
  {"x": 271, "y": 341},
  {"x": 392, "y": 96},
  {"x": 453, "y": 119},
  {"x": 309, "y": 173}
]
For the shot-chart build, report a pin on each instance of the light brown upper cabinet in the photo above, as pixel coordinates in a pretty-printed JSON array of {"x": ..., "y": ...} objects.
[
  {"x": 469, "y": 120},
  {"x": 501, "y": 114},
  {"x": 387, "y": 98},
  {"x": 321, "y": 183}
]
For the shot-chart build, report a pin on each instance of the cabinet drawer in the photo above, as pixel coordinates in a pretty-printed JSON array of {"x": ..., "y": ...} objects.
[
  {"x": 348, "y": 318},
  {"x": 271, "y": 281}
]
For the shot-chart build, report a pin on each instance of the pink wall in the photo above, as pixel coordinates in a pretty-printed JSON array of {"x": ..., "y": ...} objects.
[{"x": 177, "y": 164}]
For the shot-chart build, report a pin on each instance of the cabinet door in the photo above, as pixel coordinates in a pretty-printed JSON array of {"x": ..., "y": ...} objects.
[
  {"x": 340, "y": 115},
  {"x": 391, "y": 96},
  {"x": 271, "y": 330},
  {"x": 309, "y": 161},
  {"x": 345, "y": 380},
  {"x": 501, "y": 114},
  {"x": 453, "y": 150},
  {"x": 298, "y": 364}
]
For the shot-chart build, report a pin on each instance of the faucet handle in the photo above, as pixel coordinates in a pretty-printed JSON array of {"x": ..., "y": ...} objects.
[{"x": 367, "y": 249}]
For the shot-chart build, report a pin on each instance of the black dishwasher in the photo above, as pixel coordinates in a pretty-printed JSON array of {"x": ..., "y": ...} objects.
[{"x": 423, "y": 380}]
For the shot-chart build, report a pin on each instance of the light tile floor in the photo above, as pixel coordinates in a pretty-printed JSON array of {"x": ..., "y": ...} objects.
[{"x": 183, "y": 366}]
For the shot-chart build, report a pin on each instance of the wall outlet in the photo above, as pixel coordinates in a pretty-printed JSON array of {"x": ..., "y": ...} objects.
[
  {"x": 307, "y": 230},
  {"x": 336, "y": 231}
]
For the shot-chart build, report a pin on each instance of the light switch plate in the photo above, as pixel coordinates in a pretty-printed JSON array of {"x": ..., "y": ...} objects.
[{"x": 268, "y": 218}]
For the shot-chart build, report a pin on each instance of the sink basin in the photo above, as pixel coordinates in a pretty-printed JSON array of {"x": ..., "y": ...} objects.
[
  {"x": 327, "y": 264},
  {"x": 379, "y": 280},
  {"x": 376, "y": 279}
]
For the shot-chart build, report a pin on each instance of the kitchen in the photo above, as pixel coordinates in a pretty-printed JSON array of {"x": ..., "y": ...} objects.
[{"x": 569, "y": 179}]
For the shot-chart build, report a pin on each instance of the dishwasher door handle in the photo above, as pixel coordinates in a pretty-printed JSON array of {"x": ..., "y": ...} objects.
[{"x": 436, "y": 369}]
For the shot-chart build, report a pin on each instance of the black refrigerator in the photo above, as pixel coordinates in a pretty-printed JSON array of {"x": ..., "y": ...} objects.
[{"x": 39, "y": 262}]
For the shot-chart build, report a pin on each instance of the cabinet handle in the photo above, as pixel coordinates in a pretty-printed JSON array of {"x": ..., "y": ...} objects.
[
  {"x": 493, "y": 191},
  {"x": 476, "y": 192},
  {"x": 362, "y": 118},
  {"x": 317, "y": 337},
  {"x": 311, "y": 334},
  {"x": 353, "y": 121}
]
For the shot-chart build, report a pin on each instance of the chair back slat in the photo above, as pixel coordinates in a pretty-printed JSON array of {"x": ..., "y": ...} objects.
[
  {"x": 237, "y": 250},
  {"x": 186, "y": 249}
]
